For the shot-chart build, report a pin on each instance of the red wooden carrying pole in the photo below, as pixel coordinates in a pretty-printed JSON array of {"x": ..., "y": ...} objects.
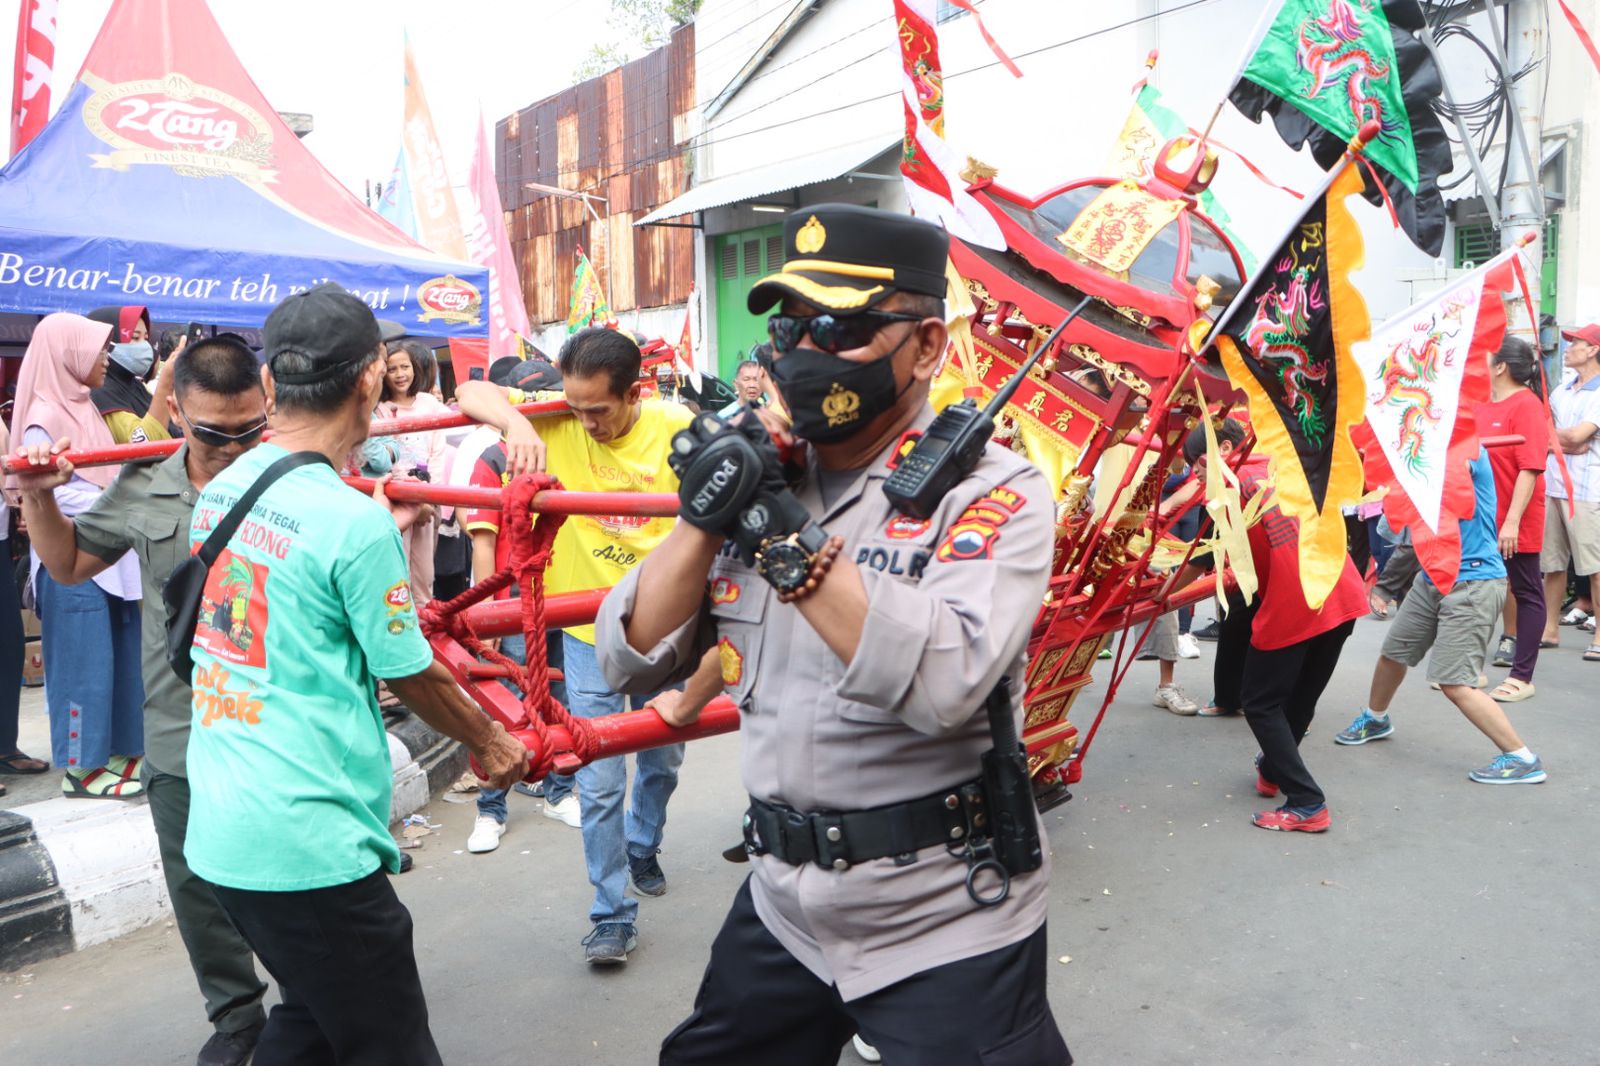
[
  {"x": 631, "y": 731},
  {"x": 558, "y": 501},
  {"x": 160, "y": 449},
  {"x": 500, "y": 618}
]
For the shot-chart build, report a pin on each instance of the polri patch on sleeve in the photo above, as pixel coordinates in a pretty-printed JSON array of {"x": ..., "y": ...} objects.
[
  {"x": 725, "y": 590},
  {"x": 973, "y": 535}
]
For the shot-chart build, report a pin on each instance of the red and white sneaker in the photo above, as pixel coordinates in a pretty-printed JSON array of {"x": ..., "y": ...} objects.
[{"x": 1295, "y": 819}]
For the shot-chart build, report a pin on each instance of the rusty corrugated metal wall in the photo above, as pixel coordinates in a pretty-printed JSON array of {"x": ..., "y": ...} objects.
[{"x": 620, "y": 136}]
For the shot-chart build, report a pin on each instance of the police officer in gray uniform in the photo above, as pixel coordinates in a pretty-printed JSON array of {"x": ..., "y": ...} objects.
[{"x": 860, "y": 643}]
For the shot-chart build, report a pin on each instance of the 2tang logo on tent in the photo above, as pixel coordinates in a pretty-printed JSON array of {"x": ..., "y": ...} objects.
[
  {"x": 196, "y": 130},
  {"x": 450, "y": 299}
]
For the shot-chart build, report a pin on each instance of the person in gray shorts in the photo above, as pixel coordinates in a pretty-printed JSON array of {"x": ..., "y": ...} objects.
[{"x": 1457, "y": 626}]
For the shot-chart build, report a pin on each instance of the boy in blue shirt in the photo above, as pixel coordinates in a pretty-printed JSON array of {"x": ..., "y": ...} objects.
[{"x": 1458, "y": 628}]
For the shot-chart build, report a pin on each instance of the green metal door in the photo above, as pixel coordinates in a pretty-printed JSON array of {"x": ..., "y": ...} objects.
[{"x": 740, "y": 260}]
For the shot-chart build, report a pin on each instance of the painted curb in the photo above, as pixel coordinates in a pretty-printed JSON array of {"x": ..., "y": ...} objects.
[
  {"x": 75, "y": 873},
  {"x": 35, "y": 921}
]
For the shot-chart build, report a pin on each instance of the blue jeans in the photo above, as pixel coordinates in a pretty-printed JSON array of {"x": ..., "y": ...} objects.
[
  {"x": 93, "y": 686},
  {"x": 611, "y": 838},
  {"x": 492, "y": 801}
]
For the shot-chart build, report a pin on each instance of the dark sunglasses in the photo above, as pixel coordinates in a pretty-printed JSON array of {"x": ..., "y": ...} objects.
[
  {"x": 831, "y": 333},
  {"x": 220, "y": 438}
]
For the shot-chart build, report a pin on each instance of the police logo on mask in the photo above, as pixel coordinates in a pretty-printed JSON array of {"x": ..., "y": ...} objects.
[{"x": 841, "y": 406}]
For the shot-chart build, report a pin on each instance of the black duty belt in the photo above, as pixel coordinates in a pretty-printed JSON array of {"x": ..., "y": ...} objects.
[{"x": 837, "y": 840}]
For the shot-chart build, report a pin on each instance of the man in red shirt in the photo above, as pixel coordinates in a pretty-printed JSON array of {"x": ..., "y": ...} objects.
[{"x": 1518, "y": 410}]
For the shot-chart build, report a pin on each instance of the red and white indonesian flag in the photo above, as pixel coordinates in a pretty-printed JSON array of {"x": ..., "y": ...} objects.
[
  {"x": 488, "y": 245},
  {"x": 929, "y": 166},
  {"x": 30, "y": 83},
  {"x": 1425, "y": 371}
]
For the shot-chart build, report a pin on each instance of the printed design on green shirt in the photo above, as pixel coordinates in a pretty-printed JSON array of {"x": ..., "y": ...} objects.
[
  {"x": 398, "y": 602},
  {"x": 214, "y": 699},
  {"x": 233, "y": 611}
]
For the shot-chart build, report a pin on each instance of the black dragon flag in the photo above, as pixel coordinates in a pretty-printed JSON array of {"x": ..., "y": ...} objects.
[
  {"x": 1286, "y": 344},
  {"x": 1326, "y": 67}
]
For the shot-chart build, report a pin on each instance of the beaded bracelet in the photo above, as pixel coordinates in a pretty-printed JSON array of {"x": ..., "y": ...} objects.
[{"x": 819, "y": 569}]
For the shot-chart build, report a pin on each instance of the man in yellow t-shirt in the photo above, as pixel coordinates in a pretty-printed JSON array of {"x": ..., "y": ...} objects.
[{"x": 614, "y": 442}]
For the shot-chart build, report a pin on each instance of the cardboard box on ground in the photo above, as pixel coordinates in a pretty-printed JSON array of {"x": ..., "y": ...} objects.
[{"x": 33, "y": 653}]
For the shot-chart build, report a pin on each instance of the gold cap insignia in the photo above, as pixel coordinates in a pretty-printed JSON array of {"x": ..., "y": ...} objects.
[
  {"x": 808, "y": 239},
  {"x": 841, "y": 405}
]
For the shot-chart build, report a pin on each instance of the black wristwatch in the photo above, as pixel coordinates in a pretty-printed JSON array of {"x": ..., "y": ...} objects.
[{"x": 786, "y": 562}]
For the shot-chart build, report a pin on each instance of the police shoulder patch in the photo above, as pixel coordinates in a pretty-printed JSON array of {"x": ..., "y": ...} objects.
[{"x": 973, "y": 535}]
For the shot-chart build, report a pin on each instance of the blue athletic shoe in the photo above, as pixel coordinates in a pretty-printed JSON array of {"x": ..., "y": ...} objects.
[
  {"x": 1365, "y": 728},
  {"x": 608, "y": 943},
  {"x": 1507, "y": 769}
]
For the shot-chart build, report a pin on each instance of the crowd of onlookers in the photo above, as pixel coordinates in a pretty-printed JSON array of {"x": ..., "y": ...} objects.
[{"x": 1528, "y": 564}]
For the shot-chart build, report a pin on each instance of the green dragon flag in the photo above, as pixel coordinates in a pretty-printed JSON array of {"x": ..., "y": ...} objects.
[{"x": 1325, "y": 67}]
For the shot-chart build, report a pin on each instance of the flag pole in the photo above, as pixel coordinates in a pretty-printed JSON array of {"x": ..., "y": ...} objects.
[
  {"x": 1364, "y": 136},
  {"x": 1257, "y": 34}
]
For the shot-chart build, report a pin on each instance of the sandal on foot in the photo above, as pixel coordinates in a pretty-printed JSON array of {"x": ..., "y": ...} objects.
[
  {"x": 99, "y": 783},
  {"x": 1592, "y": 654},
  {"x": 1549, "y": 644},
  {"x": 1511, "y": 690},
  {"x": 125, "y": 766},
  {"x": 1373, "y": 601},
  {"x": 18, "y": 763}
]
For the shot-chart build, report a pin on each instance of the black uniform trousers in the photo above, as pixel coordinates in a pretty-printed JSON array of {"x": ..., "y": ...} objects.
[
  {"x": 222, "y": 963},
  {"x": 345, "y": 967},
  {"x": 758, "y": 1004},
  {"x": 1233, "y": 645},
  {"x": 1281, "y": 689}
]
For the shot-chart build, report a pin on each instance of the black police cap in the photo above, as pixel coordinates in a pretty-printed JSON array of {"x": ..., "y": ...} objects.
[{"x": 845, "y": 258}]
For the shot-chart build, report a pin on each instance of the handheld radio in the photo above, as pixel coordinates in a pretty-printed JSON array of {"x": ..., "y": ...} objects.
[{"x": 952, "y": 445}]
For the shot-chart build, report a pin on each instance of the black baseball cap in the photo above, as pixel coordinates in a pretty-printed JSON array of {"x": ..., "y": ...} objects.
[
  {"x": 327, "y": 325},
  {"x": 500, "y": 370},
  {"x": 846, "y": 258},
  {"x": 534, "y": 375}
]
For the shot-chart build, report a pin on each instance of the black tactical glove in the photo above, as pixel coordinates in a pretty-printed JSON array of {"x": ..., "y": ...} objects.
[
  {"x": 720, "y": 467},
  {"x": 769, "y": 514}
]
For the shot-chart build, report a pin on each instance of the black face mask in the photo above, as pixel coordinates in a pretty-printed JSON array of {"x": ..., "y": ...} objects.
[{"x": 830, "y": 398}]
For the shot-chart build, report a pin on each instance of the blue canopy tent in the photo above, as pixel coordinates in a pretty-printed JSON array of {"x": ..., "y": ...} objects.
[{"x": 166, "y": 179}]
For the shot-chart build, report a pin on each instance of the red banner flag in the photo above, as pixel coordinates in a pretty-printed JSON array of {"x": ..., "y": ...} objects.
[
  {"x": 1427, "y": 369},
  {"x": 30, "y": 85}
]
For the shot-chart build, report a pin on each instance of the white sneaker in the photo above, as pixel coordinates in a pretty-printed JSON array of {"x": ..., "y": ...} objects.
[
  {"x": 1575, "y": 617},
  {"x": 566, "y": 811},
  {"x": 1188, "y": 647},
  {"x": 865, "y": 1050},
  {"x": 1171, "y": 698},
  {"x": 486, "y": 834}
]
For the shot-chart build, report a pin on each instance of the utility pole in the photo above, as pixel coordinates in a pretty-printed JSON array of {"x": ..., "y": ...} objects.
[{"x": 1522, "y": 203}]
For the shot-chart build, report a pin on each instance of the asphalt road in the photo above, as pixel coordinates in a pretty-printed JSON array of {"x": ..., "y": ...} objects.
[{"x": 1439, "y": 922}]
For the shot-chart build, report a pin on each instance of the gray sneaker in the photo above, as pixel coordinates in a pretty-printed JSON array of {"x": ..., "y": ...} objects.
[
  {"x": 1507, "y": 769},
  {"x": 1505, "y": 651},
  {"x": 609, "y": 943},
  {"x": 1172, "y": 698},
  {"x": 1365, "y": 728}
]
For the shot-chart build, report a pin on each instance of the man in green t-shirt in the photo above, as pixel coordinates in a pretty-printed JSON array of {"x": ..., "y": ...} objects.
[{"x": 288, "y": 759}]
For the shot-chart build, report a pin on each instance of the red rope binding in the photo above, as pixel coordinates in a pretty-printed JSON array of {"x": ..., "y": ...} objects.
[{"x": 531, "y": 540}]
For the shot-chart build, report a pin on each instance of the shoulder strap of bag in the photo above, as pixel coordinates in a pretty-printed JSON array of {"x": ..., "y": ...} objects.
[{"x": 230, "y": 523}]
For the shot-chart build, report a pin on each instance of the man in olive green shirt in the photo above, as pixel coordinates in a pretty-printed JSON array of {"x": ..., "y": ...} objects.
[{"x": 221, "y": 407}]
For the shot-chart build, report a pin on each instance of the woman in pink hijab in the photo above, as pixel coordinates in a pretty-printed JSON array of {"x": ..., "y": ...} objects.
[{"x": 90, "y": 632}]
